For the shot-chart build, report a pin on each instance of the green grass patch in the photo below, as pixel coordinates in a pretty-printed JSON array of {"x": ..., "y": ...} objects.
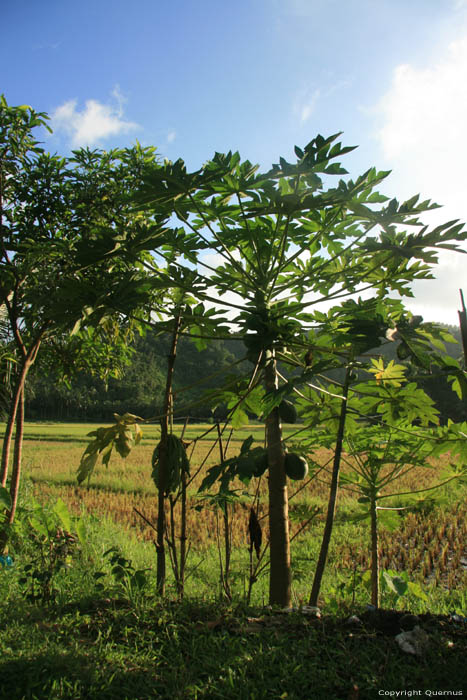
[{"x": 116, "y": 641}]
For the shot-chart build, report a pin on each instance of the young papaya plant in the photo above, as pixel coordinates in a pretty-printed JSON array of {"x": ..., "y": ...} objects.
[
  {"x": 377, "y": 458},
  {"x": 387, "y": 401}
]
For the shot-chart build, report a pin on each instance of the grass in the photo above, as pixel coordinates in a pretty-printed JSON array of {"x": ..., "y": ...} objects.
[
  {"x": 201, "y": 650},
  {"x": 121, "y": 643},
  {"x": 110, "y": 644},
  {"x": 428, "y": 544}
]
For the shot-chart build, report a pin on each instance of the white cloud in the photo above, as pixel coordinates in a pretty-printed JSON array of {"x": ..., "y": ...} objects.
[
  {"x": 93, "y": 124},
  {"x": 422, "y": 138},
  {"x": 308, "y": 99},
  {"x": 308, "y": 106},
  {"x": 171, "y": 136}
]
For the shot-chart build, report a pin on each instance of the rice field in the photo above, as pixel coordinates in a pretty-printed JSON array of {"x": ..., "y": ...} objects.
[{"x": 430, "y": 544}]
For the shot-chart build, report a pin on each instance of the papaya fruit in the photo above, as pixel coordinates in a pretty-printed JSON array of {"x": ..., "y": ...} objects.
[
  {"x": 287, "y": 411},
  {"x": 296, "y": 466},
  {"x": 261, "y": 464}
]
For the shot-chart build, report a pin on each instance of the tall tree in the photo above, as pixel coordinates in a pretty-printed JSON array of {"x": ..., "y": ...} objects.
[
  {"x": 61, "y": 223},
  {"x": 286, "y": 241}
]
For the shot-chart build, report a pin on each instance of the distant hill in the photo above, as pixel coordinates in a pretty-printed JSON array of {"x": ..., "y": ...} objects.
[{"x": 141, "y": 389}]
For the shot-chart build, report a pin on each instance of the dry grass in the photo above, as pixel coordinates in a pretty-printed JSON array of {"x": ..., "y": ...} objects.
[{"x": 429, "y": 543}]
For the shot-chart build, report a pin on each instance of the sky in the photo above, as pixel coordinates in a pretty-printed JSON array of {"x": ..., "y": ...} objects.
[{"x": 260, "y": 76}]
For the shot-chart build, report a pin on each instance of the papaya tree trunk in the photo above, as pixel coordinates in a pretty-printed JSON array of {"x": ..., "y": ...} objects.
[
  {"x": 332, "y": 495},
  {"x": 374, "y": 553},
  {"x": 280, "y": 571},
  {"x": 183, "y": 529},
  {"x": 163, "y": 466},
  {"x": 463, "y": 326},
  {"x": 183, "y": 537},
  {"x": 160, "y": 544}
]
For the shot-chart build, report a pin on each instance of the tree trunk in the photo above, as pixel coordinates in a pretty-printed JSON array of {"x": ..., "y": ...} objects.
[
  {"x": 463, "y": 326},
  {"x": 183, "y": 552},
  {"x": 332, "y": 495},
  {"x": 280, "y": 572},
  {"x": 17, "y": 454},
  {"x": 160, "y": 544},
  {"x": 374, "y": 554},
  {"x": 7, "y": 441},
  {"x": 15, "y": 473},
  {"x": 165, "y": 421},
  {"x": 7, "y": 438},
  {"x": 27, "y": 362}
]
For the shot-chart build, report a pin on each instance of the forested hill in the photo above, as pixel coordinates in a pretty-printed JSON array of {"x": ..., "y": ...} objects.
[{"x": 141, "y": 389}]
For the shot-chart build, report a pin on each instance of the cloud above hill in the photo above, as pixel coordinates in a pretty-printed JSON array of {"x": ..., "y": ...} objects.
[
  {"x": 421, "y": 133},
  {"x": 424, "y": 116}
]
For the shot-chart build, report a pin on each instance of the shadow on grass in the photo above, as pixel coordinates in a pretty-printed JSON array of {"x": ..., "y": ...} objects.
[
  {"x": 201, "y": 650},
  {"x": 93, "y": 486},
  {"x": 61, "y": 675},
  {"x": 43, "y": 437}
]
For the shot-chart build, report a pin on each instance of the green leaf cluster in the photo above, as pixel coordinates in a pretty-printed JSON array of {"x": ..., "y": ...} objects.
[{"x": 121, "y": 436}]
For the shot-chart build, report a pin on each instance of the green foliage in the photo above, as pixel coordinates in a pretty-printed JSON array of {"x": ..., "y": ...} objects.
[
  {"x": 5, "y": 499},
  {"x": 54, "y": 546},
  {"x": 250, "y": 462},
  {"x": 121, "y": 436},
  {"x": 105, "y": 236},
  {"x": 126, "y": 578},
  {"x": 399, "y": 585},
  {"x": 287, "y": 241}
]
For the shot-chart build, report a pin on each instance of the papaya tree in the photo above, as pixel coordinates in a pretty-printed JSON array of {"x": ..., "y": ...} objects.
[{"x": 285, "y": 241}]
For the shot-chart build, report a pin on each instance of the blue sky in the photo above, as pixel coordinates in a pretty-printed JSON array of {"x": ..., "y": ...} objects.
[{"x": 259, "y": 76}]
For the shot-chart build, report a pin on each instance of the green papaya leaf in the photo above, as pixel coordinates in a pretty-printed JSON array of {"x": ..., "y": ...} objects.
[
  {"x": 239, "y": 418},
  {"x": 246, "y": 444},
  {"x": 86, "y": 467},
  {"x": 212, "y": 476},
  {"x": 106, "y": 454},
  {"x": 123, "y": 446},
  {"x": 138, "y": 434}
]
